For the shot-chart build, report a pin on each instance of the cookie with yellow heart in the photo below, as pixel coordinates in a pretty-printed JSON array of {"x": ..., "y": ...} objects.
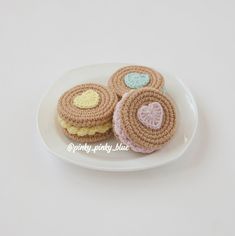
[
  {"x": 135, "y": 77},
  {"x": 85, "y": 112}
]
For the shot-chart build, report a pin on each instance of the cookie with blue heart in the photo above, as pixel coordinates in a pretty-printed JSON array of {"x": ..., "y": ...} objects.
[
  {"x": 145, "y": 120},
  {"x": 85, "y": 112},
  {"x": 134, "y": 77}
]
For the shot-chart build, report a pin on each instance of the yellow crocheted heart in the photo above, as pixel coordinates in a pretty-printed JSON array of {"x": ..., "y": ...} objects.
[{"x": 88, "y": 99}]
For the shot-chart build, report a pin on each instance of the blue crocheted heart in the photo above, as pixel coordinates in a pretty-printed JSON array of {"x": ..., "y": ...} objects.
[{"x": 136, "y": 80}]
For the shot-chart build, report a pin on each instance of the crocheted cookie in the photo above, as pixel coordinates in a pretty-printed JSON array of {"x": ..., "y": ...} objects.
[
  {"x": 85, "y": 112},
  {"x": 144, "y": 120},
  {"x": 135, "y": 77}
]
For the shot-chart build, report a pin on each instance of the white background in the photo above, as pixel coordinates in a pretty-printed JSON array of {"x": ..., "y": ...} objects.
[{"x": 41, "y": 195}]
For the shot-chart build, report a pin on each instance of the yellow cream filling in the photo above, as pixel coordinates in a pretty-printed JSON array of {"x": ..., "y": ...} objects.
[{"x": 85, "y": 130}]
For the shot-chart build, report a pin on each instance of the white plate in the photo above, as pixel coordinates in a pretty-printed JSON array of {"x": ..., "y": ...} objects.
[{"x": 56, "y": 142}]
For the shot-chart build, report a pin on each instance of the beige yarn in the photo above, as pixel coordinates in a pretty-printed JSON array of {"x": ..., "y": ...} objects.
[
  {"x": 80, "y": 117},
  {"x": 118, "y": 85},
  {"x": 87, "y": 117},
  {"x": 139, "y": 133}
]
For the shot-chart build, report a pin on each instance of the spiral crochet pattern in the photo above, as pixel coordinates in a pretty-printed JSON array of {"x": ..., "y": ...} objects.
[
  {"x": 85, "y": 112},
  {"x": 132, "y": 132},
  {"x": 126, "y": 78}
]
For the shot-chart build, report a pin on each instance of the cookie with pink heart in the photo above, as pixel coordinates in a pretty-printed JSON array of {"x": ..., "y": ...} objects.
[{"x": 145, "y": 120}]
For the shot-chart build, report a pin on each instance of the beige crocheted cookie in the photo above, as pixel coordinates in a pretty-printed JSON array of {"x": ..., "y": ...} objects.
[
  {"x": 144, "y": 119},
  {"x": 85, "y": 112},
  {"x": 135, "y": 77}
]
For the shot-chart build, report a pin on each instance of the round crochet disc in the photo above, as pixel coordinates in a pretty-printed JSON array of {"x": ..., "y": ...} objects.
[
  {"x": 134, "y": 77},
  {"x": 87, "y": 105},
  {"x": 132, "y": 131}
]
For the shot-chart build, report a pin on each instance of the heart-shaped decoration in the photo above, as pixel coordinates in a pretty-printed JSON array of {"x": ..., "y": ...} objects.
[
  {"x": 151, "y": 115},
  {"x": 136, "y": 80},
  {"x": 88, "y": 99}
]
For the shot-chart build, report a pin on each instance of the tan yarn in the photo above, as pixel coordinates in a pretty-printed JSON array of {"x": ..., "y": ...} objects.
[
  {"x": 89, "y": 138},
  {"x": 87, "y": 117},
  {"x": 80, "y": 117},
  {"x": 118, "y": 85},
  {"x": 135, "y": 130}
]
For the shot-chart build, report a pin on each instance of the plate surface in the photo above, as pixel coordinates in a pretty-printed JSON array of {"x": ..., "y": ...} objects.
[{"x": 60, "y": 146}]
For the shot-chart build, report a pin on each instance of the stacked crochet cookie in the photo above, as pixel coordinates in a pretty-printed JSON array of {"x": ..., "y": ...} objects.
[
  {"x": 135, "y": 77},
  {"x": 144, "y": 119},
  {"x": 85, "y": 113}
]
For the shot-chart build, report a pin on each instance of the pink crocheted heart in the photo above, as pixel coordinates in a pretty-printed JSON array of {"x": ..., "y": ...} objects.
[{"x": 151, "y": 115}]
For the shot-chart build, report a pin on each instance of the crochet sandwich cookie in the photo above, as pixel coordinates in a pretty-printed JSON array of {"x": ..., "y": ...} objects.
[
  {"x": 135, "y": 77},
  {"x": 85, "y": 113},
  {"x": 144, "y": 120}
]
